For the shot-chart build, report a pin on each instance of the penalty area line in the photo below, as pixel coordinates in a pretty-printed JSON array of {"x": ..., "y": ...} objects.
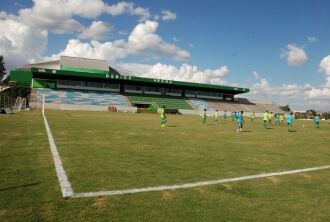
[
  {"x": 196, "y": 184},
  {"x": 61, "y": 175}
]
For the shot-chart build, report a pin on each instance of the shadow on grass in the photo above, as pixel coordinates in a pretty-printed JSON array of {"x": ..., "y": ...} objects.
[
  {"x": 293, "y": 131},
  {"x": 19, "y": 186},
  {"x": 246, "y": 131},
  {"x": 171, "y": 126},
  {"x": 17, "y": 155}
]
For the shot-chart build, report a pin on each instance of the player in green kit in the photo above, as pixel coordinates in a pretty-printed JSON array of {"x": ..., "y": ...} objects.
[
  {"x": 252, "y": 116},
  {"x": 265, "y": 120},
  {"x": 163, "y": 118},
  {"x": 277, "y": 119},
  {"x": 281, "y": 118},
  {"x": 216, "y": 116},
  {"x": 317, "y": 121},
  {"x": 270, "y": 116},
  {"x": 204, "y": 116}
]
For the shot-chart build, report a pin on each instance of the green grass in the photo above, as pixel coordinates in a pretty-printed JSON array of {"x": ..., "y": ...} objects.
[{"x": 108, "y": 151}]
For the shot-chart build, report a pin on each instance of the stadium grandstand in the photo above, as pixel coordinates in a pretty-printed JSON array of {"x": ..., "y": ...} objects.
[{"x": 72, "y": 83}]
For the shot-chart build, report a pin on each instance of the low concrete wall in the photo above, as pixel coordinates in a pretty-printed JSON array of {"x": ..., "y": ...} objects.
[
  {"x": 126, "y": 109},
  {"x": 34, "y": 105}
]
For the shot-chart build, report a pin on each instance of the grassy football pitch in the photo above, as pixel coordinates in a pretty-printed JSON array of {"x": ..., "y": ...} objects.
[{"x": 115, "y": 151}]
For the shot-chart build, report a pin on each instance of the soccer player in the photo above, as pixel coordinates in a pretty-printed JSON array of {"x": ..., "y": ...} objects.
[
  {"x": 252, "y": 116},
  {"x": 204, "y": 116},
  {"x": 225, "y": 116},
  {"x": 289, "y": 120},
  {"x": 277, "y": 119},
  {"x": 232, "y": 116},
  {"x": 281, "y": 118},
  {"x": 316, "y": 121},
  {"x": 235, "y": 116},
  {"x": 163, "y": 118},
  {"x": 239, "y": 121},
  {"x": 216, "y": 116},
  {"x": 270, "y": 116},
  {"x": 265, "y": 120}
]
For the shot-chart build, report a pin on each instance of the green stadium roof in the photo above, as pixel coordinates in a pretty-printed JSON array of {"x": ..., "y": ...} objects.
[{"x": 91, "y": 73}]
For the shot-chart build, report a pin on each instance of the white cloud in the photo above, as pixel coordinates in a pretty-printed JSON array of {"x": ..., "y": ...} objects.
[
  {"x": 262, "y": 87},
  {"x": 20, "y": 44},
  {"x": 97, "y": 30},
  {"x": 143, "y": 41},
  {"x": 255, "y": 74},
  {"x": 168, "y": 15},
  {"x": 3, "y": 14},
  {"x": 295, "y": 56},
  {"x": 128, "y": 7},
  {"x": 58, "y": 15},
  {"x": 311, "y": 39},
  {"x": 298, "y": 96},
  {"x": 110, "y": 51},
  {"x": 185, "y": 72},
  {"x": 144, "y": 13},
  {"x": 325, "y": 65},
  {"x": 322, "y": 93},
  {"x": 318, "y": 94}
]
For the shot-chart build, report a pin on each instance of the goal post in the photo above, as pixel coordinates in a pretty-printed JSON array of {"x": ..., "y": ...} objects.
[{"x": 43, "y": 104}]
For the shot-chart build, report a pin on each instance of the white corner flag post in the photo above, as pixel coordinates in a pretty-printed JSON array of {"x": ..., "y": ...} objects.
[{"x": 43, "y": 104}]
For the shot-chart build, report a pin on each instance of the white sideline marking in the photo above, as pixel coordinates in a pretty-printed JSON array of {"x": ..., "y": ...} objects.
[
  {"x": 197, "y": 184},
  {"x": 61, "y": 175}
]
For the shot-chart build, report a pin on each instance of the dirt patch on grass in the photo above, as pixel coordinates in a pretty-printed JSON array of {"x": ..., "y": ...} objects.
[
  {"x": 47, "y": 211},
  {"x": 167, "y": 195},
  {"x": 274, "y": 180},
  {"x": 2, "y": 212},
  {"x": 201, "y": 190},
  {"x": 22, "y": 212},
  {"x": 228, "y": 187},
  {"x": 304, "y": 175},
  {"x": 12, "y": 134},
  {"x": 100, "y": 203}
]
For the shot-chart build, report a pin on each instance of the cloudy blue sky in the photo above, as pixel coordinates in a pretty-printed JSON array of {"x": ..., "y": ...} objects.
[{"x": 279, "y": 49}]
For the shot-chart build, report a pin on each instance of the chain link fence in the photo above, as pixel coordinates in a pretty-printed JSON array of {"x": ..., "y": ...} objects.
[{"x": 7, "y": 101}]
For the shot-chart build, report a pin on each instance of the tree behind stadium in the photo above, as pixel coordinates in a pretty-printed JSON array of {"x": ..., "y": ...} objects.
[{"x": 2, "y": 68}]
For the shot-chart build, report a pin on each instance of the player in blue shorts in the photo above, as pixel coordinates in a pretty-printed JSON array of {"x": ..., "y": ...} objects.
[
  {"x": 239, "y": 121},
  {"x": 289, "y": 121}
]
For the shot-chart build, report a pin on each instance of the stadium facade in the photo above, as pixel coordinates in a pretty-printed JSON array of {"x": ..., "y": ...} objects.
[{"x": 82, "y": 81}]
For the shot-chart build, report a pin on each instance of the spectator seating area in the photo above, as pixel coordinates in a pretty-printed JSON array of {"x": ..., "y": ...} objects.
[
  {"x": 241, "y": 105},
  {"x": 81, "y": 97},
  {"x": 97, "y": 98},
  {"x": 169, "y": 103}
]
